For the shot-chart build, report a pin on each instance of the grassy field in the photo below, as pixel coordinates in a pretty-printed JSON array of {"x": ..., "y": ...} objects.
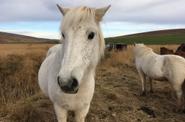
[
  {"x": 116, "y": 97},
  {"x": 156, "y": 37}
]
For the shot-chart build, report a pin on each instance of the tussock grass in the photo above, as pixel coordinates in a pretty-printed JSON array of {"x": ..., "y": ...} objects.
[
  {"x": 18, "y": 81},
  {"x": 19, "y": 76}
]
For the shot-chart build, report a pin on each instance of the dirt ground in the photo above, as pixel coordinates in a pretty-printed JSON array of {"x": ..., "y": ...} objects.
[
  {"x": 116, "y": 99},
  {"x": 118, "y": 96}
]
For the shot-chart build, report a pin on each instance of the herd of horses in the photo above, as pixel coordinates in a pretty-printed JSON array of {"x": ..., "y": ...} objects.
[
  {"x": 67, "y": 75},
  {"x": 116, "y": 47},
  {"x": 179, "y": 51}
]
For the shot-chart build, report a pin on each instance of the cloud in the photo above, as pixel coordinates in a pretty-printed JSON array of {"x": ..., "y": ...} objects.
[
  {"x": 139, "y": 11},
  {"x": 28, "y": 10}
]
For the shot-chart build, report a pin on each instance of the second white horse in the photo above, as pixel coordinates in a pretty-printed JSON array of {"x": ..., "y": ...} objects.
[{"x": 160, "y": 67}]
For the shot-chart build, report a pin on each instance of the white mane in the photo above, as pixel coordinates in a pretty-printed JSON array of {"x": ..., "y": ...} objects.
[{"x": 141, "y": 50}]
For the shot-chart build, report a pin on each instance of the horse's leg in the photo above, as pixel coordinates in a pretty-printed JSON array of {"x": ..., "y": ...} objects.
[
  {"x": 179, "y": 93},
  {"x": 151, "y": 86},
  {"x": 60, "y": 113},
  {"x": 143, "y": 82},
  {"x": 183, "y": 96},
  {"x": 81, "y": 114}
]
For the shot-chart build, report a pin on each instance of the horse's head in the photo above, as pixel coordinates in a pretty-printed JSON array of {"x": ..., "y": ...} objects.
[{"x": 83, "y": 45}]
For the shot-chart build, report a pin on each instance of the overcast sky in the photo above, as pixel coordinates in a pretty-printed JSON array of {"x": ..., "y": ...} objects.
[{"x": 41, "y": 18}]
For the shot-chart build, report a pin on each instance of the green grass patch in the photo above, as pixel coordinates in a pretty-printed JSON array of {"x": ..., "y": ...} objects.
[{"x": 157, "y": 37}]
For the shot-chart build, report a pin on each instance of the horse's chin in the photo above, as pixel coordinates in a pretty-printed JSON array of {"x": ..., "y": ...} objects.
[{"x": 70, "y": 91}]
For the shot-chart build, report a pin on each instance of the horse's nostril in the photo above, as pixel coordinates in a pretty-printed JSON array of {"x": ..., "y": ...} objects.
[
  {"x": 70, "y": 86},
  {"x": 74, "y": 83},
  {"x": 58, "y": 80}
]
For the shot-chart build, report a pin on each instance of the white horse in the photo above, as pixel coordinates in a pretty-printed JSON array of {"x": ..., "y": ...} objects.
[
  {"x": 67, "y": 74},
  {"x": 54, "y": 49},
  {"x": 160, "y": 67}
]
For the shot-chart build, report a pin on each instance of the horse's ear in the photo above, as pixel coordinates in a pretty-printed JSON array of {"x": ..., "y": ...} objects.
[
  {"x": 62, "y": 9},
  {"x": 99, "y": 13}
]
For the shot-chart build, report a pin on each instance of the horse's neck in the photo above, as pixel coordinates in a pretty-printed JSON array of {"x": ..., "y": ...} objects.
[
  {"x": 59, "y": 54},
  {"x": 57, "y": 60},
  {"x": 88, "y": 80},
  {"x": 154, "y": 54},
  {"x": 147, "y": 52}
]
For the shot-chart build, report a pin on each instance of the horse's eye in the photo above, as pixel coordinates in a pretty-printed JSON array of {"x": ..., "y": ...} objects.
[
  {"x": 63, "y": 35},
  {"x": 91, "y": 35}
]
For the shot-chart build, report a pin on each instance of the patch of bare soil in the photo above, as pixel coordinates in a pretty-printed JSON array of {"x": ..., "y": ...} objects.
[{"x": 117, "y": 98}]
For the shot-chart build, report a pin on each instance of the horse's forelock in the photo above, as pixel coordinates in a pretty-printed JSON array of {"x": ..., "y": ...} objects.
[{"x": 80, "y": 14}]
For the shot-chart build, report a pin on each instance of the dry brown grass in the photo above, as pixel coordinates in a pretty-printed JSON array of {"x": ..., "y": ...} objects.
[
  {"x": 115, "y": 58},
  {"x": 116, "y": 96},
  {"x": 22, "y": 49},
  {"x": 19, "y": 67},
  {"x": 19, "y": 64}
]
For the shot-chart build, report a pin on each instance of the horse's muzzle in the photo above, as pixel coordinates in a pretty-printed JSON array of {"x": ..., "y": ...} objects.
[{"x": 70, "y": 87}]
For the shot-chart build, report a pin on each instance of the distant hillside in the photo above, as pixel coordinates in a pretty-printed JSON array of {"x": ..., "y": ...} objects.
[
  {"x": 175, "y": 36},
  {"x": 15, "y": 38}
]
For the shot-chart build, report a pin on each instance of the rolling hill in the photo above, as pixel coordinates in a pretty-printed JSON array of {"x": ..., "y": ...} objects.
[
  {"x": 8, "y": 38},
  {"x": 175, "y": 36}
]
